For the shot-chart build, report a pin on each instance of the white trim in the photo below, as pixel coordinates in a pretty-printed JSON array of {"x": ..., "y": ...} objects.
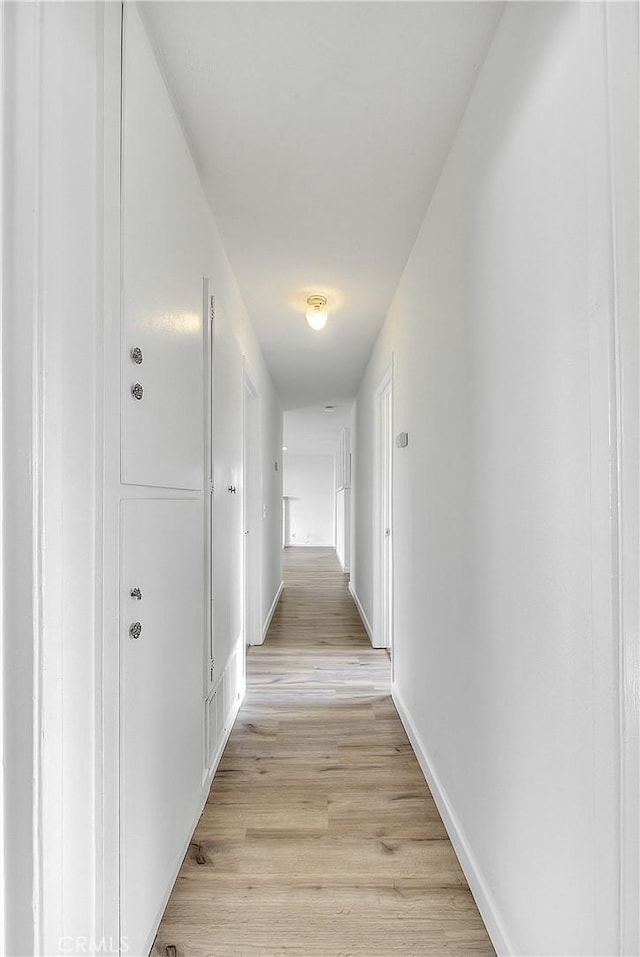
[
  {"x": 3, "y": 883},
  {"x": 380, "y": 641},
  {"x": 310, "y": 545},
  {"x": 621, "y": 31},
  {"x": 208, "y": 313},
  {"x": 23, "y": 431},
  {"x": 477, "y": 884},
  {"x": 271, "y": 612},
  {"x": 108, "y": 742},
  {"x": 251, "y": 495},
  {"x": 361, "y": 612},
  {"x": 231, "y": 720}
]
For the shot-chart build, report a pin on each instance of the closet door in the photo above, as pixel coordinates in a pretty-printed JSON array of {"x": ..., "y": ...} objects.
[
  {"x": 165, "y": 231},
  {"x": 227, "y": 498},
  {"x": 161, "y": 623}
]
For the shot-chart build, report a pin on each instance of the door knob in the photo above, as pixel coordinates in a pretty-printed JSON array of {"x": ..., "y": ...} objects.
[
  {"x": 231, "y": 489},
  {"x": 137, "y": 391},
  {"x": 135, "y": 629},
  {"x": 136, "y": 355},
  {"x": 136, "y": 593}
]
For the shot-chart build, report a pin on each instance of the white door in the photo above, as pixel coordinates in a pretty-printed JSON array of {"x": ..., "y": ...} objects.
[
  {"x": 252, "y": 518},
  {"x": 384, "y": 514},
  {"x": 208, "y": 306},
  {"x": 161, "y": 283},
  {"x": 161, "y": 733},
  {"x": 227, "y": 497}
]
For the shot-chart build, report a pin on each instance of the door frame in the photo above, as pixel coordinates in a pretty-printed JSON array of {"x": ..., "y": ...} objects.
[
  {"x": 208, "y": 323},
  {"x": 251, "y": 524},
  {"x": 383, "y": 505}
]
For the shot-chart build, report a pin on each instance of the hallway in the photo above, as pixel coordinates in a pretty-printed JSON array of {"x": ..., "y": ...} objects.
[
  {"x": 319, "y": 836},
  {"x": 359, "y": 277}
]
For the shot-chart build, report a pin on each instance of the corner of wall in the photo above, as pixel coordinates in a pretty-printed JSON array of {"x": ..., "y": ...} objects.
[
  {"x": 271, "y": 612},
  {"x": 362, "y": 613}
]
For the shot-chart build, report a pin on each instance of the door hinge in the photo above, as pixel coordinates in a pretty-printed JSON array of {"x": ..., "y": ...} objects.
[
  {"x": 212, "y": 308},
  {"x": 211, "y": 668}
]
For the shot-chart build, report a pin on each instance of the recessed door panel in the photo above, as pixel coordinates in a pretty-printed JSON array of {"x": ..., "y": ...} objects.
[
  {"x": 163, "y": 234},
  {"x": 162, "y": 635}
]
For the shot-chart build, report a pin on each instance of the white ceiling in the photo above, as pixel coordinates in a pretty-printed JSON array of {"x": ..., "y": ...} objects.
[{"x": 319, "y": 130}]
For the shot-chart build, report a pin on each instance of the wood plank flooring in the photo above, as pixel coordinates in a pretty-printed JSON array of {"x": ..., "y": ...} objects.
[{"x": 319, "y": 837}]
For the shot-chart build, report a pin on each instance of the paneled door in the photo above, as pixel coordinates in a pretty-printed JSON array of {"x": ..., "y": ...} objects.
[
  {"x": 162, "y": 237},
  {"x": 384, "y": 514},
  {"x": 161, "y": 744}
]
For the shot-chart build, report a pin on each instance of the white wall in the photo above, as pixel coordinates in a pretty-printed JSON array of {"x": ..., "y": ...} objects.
[
  {"x": 62, "y": 358},
  {"x": 308, "y": 485},
  {"x": 52, "y": 125},
  {"x": 19, "y": 527},
  {"x": 505, "y": 529}
]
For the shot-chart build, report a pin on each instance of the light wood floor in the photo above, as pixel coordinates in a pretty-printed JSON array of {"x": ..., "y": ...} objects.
[{"x": 319, "y": 837}]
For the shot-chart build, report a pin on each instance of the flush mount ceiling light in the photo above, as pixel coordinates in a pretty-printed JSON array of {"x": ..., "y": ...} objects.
[
  {"x": 329, "y": 408},
  {"x": 317, "y": 313}
]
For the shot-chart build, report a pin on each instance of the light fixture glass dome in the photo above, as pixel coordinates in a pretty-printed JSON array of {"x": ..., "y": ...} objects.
[
  {"x": 317, "y": 318},
  {"x": 317, "y": 313}
]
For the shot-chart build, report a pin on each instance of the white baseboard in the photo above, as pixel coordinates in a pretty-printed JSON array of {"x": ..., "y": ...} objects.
[
  {"x": 231, "y": 720},
  {"x": 361, "y": 612},
  {"x": 345, "y": 568},
  {"x": 309, "y": 545},
  {"x": 274, "y": 605},
  {"x": 475, "y": 879}
]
